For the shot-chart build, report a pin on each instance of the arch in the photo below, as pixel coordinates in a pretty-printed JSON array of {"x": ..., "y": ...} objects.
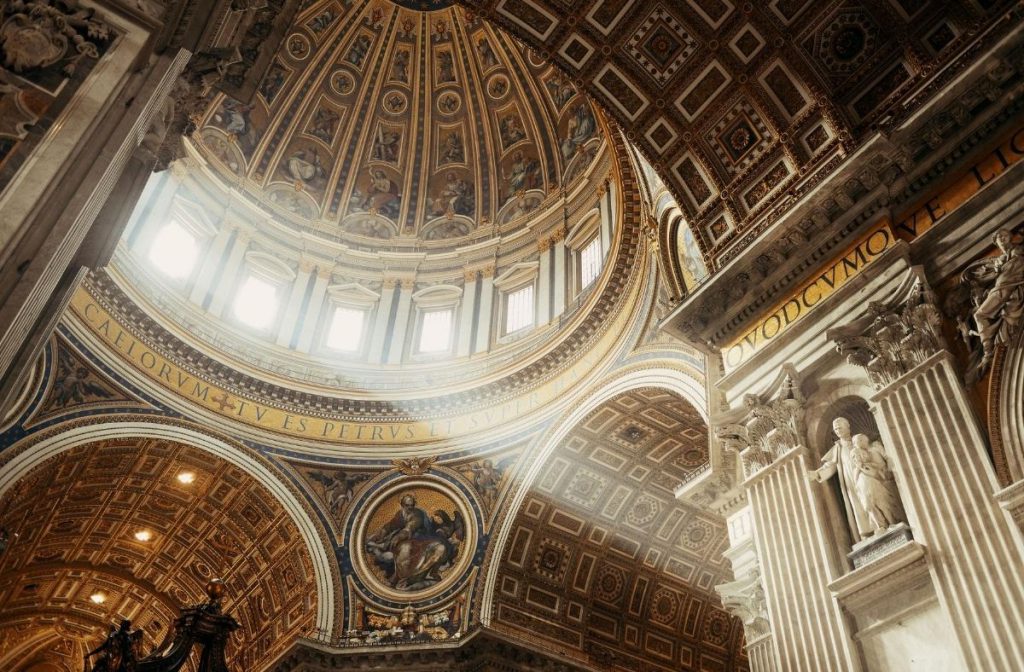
[
  {"x": 32, "y": 452},
  {"x": 655, "y": 375},
  {"x": 818, "y": 417}
]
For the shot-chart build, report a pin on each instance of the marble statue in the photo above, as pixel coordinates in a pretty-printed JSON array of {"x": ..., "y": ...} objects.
[
  {"x": 869, "y": 490},
  {"x": 997, "y": 293}
]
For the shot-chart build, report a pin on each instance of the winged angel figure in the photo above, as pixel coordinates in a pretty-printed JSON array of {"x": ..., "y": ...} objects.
[{"x": 338, "y": 488}]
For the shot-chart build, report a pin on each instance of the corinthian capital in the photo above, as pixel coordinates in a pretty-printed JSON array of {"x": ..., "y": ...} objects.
[
  {"x": 768, "y": 425},
  {"x": 895, "y": 336}
]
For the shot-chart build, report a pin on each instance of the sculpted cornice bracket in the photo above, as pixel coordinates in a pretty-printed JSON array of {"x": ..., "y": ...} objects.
[
  {"x": 745, "y": 599},
  {"x": 769, "y": 424},
  {"x": 893, "y": 337}
]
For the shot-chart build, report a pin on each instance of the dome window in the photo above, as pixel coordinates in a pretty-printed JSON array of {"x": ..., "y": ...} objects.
[
  {"x": 590, "y": 262},
  {"x": 256, "y": 302},
  {"x": 436, "y": 332},
  {"x": 346, "y": 331},
  {"x": 174, "y": 251},
  {"x": 519, "y": 309}
]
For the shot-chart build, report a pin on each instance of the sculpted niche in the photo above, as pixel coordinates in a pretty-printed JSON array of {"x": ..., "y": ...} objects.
[{"x": 870, "y": 497}]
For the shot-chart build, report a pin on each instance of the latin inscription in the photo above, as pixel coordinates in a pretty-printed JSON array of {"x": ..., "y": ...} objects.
[{"x": 907, "y": 227}]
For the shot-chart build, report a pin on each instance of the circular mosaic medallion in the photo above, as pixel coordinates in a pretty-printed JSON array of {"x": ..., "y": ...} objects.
[
  {"x": 414, "y": 540},
  {"x": 449, "y": 102},
  {"x": 342, "y": 82},
  {"x": 394, "y": 102},
  {"x": 298, "y": 46},
  {"x": 497, "y": 87}
]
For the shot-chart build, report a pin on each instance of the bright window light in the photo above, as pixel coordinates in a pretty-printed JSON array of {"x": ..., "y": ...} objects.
[
  {"x": 346, "y": 330},
  {"x": 435, "y": 335},
  {"x": 256, "y": 302},
  {"x": 590, "y": 263},
  {"x": 519, "y": 309},
  {"x": 174, "y": 251}
]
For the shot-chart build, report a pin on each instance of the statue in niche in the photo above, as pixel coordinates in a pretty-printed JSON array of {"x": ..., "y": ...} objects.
[
  {"x": 995, "y": 286},
  {"x": 869, "y": 490}
]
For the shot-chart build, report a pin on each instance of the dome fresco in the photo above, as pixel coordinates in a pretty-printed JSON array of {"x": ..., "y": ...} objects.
[{"x": 385, "y": 123}]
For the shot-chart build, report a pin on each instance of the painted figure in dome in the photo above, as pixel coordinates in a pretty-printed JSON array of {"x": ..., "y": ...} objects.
[
  {"x": 456, "y": 197},
  {"x": 487, "y": 55},
  {"x": 582, "y": 127},
  {"x": 561, "y": 91},
  {"x": 413, "y": 548},
  {"x": 324, "y": 123},
  {"x": 445, "y": 67},
  {"x": 400, "y": 67},
  {"x": 357, "y": 52},
  {"x": 524, "y": 173},
  {"x": 511, "y": 130},
  {"x": 383, "y": 194},
  {"x": 386, "y": 145},
  {"x": 304, "y": 166},
  {"x": 453, "y": 150}
]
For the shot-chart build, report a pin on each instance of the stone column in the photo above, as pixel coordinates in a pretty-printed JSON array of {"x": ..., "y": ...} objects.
[
  {"x": 378, "y": 337},
  {"x": 808, "y": 629},
  {"x": 484, "y": 321},
  {"x": 52, "y": 202},
  {"x": 225, "y": 284},
  {"x": 145, "y": 222},
  {"x": 605, "y": 207},
  {"x": 293, "y": 308},
  {"x": 975, "y": 553},
  {"x": 558, "y": 243},
  {"x": 745, "y": 597},
  {"x": 807, "y": 621},
  {"x": 399, "y": 334},
  {"x": 466, "y": 314},
  {"x": 543, "y": 304},
  {"x": 307, "y": 327},
  {"x": 210, "y": 265}
]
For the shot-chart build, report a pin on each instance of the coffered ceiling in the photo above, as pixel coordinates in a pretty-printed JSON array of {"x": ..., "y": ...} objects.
[
  {"x": 106, "y": 531},
  {"x": 602, "y": 559},
  {"x": 744, "y": 106}
]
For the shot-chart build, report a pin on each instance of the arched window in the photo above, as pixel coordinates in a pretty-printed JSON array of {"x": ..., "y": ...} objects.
[
  {"x": 174, "y": 251},
  {"x": 590, "y": 262},
  {"x": 346, "y": 330},
  {"x": 256, "y": 302},
  {"x": 518, "y": 291},
  {"x": 259, "y": 294},
  {"x": 350, "y": 307},
  {"x": 436, "y": 331},
  {"x": 587, "y": 253},
  {"x": 435, "y": 319}
]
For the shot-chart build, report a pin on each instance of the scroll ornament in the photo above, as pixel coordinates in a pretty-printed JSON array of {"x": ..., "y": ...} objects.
[{"x": 39, "y": 33}]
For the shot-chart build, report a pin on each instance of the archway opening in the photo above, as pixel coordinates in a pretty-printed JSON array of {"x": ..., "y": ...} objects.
[
  {"x": 601, "y": 557},
  {"x": 134, "y": 528}
]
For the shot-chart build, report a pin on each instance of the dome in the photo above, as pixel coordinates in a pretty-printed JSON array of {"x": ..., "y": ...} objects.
[
  {"x": 384, "y": 125},
  {"x": 415, "y": 215}
]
